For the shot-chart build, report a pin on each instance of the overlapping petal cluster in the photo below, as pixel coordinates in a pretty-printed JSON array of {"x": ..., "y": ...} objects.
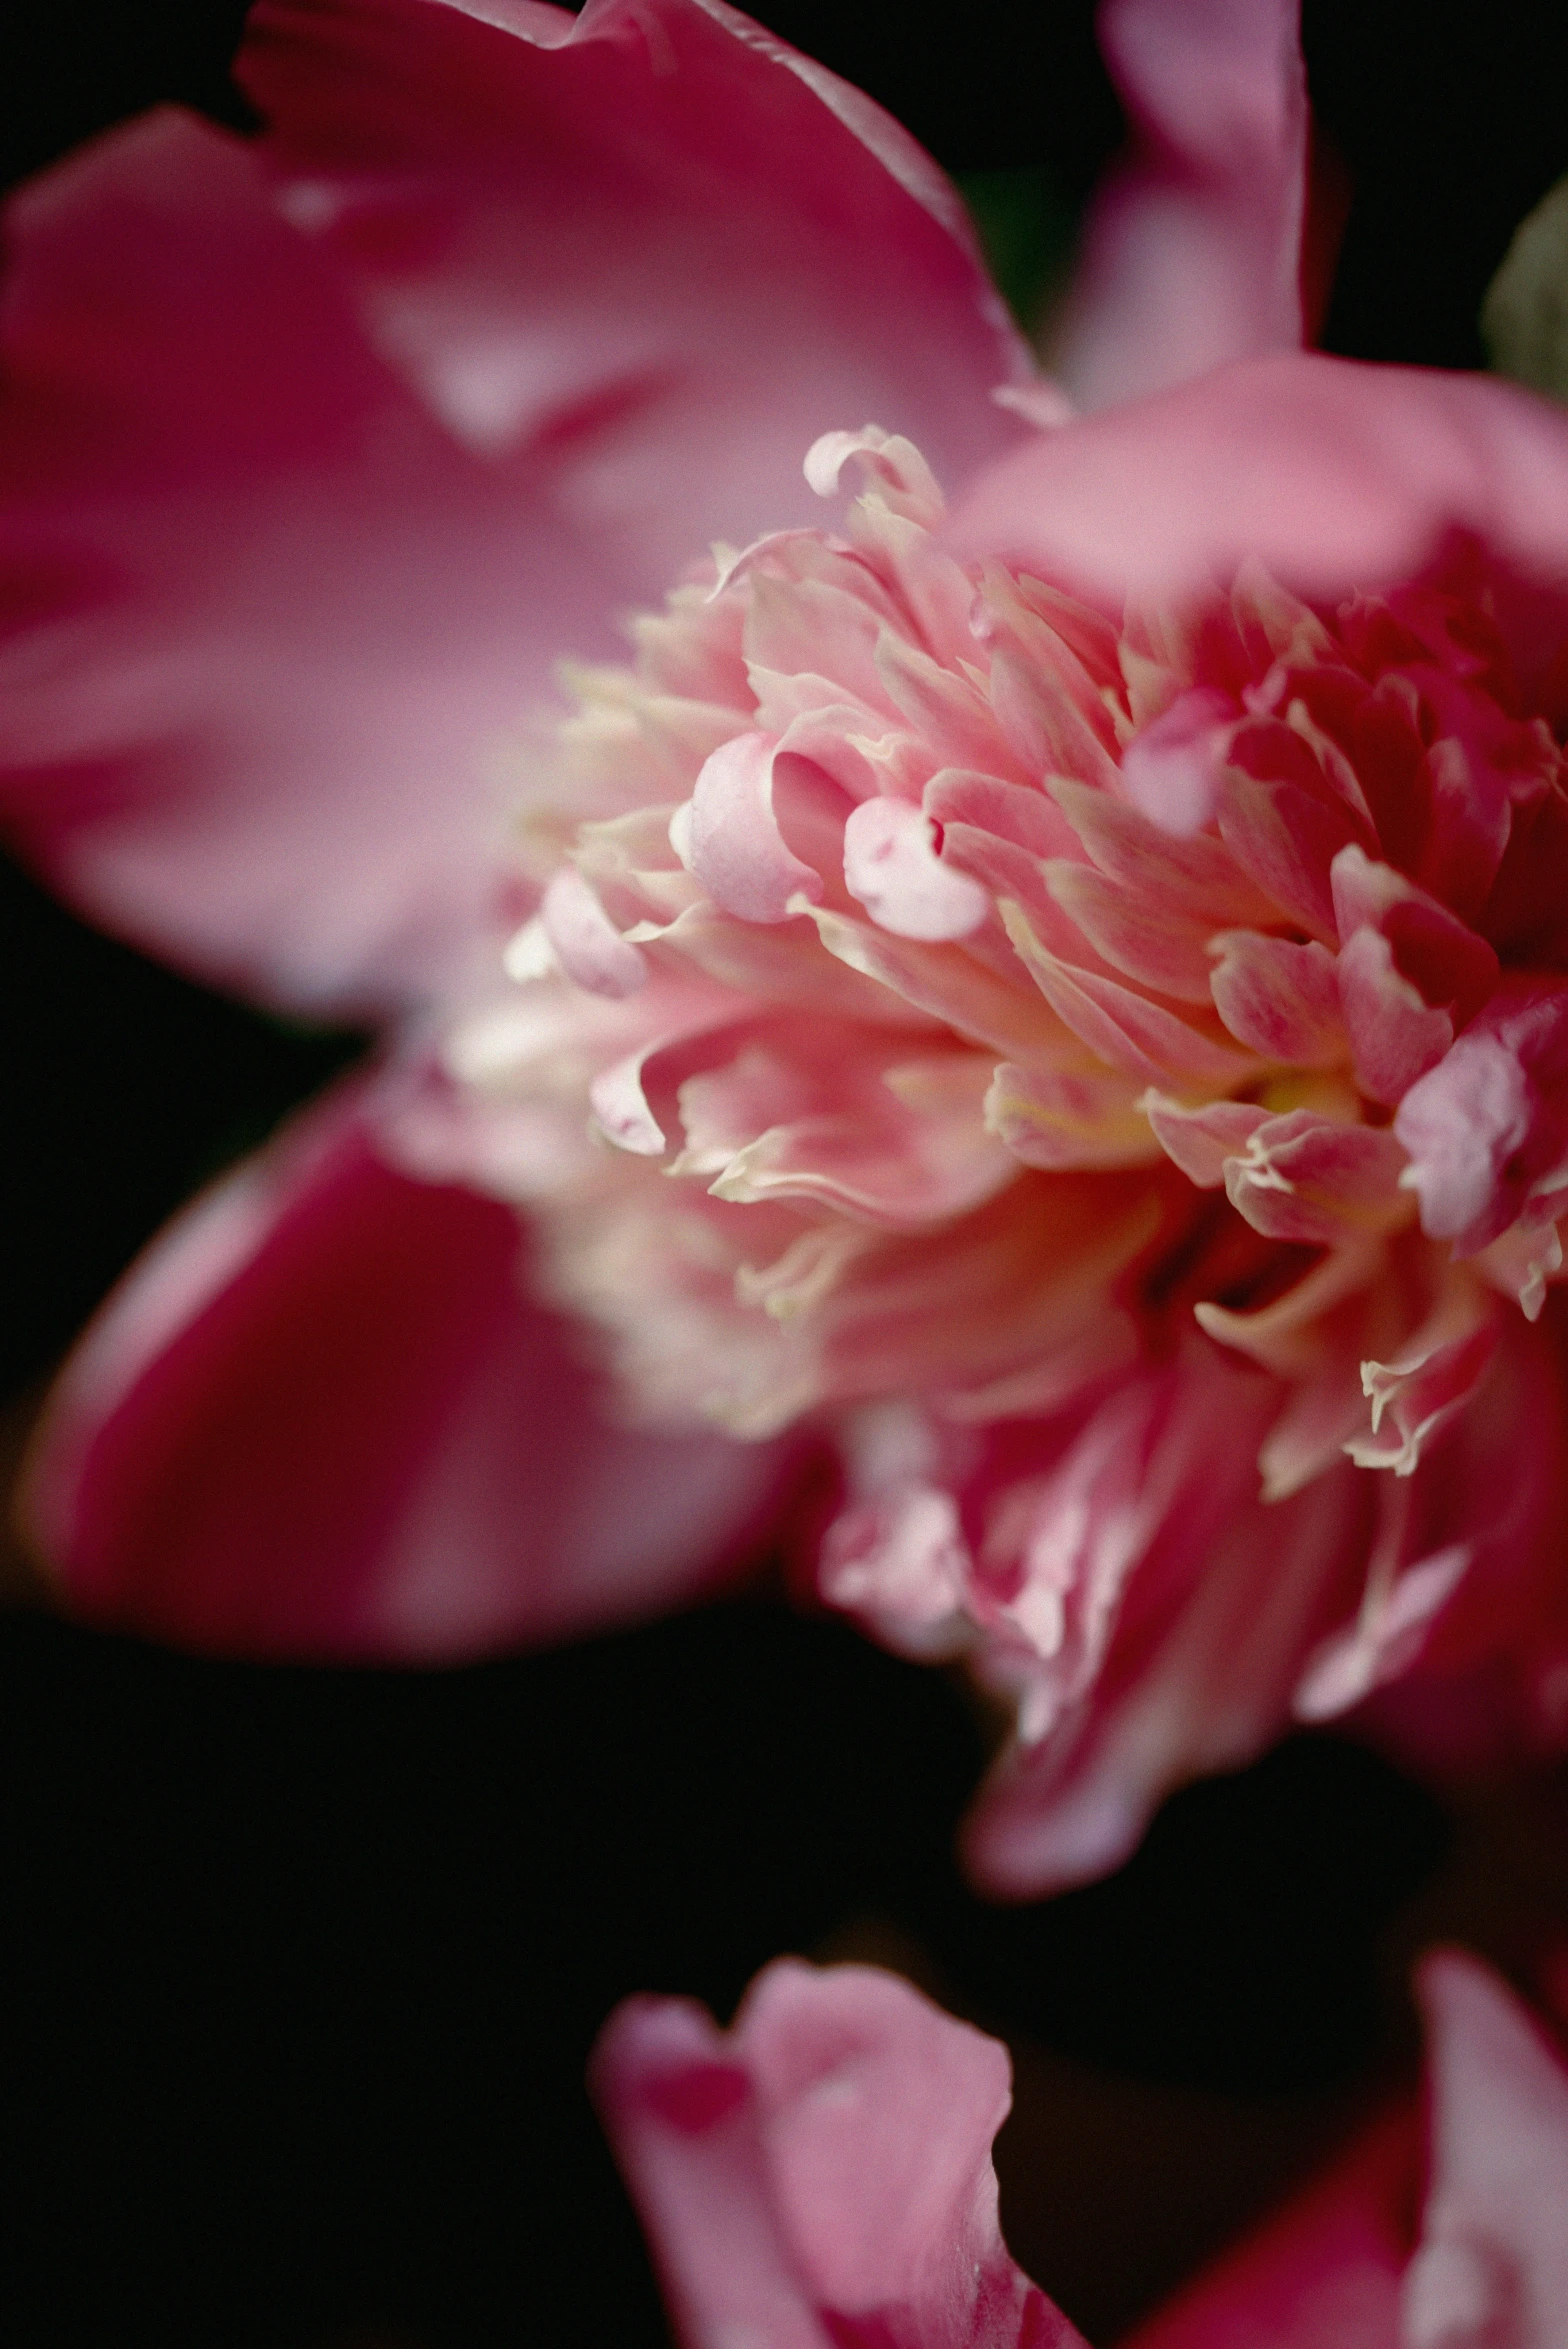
[
  {"x": 821, "y": 2173},
  {"x": 1116, "y": 1073},
  {"x": 1061, "y": 1001}
]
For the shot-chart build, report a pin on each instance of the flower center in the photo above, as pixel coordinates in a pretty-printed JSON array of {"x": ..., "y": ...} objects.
[{"x": 946, "y": 999}]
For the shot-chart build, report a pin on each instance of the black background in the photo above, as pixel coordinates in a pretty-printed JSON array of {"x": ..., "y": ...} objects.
[{"x": 299, "y": 1968}]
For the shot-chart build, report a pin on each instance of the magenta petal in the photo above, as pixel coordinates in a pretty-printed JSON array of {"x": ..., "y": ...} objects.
[
  {"x": 321, "y": 1419},
  {"x": 1335, "y": 476},
  {"x": 264, "y": 622},
  {"x": 1193, "y": 250},
  {"x": 653, "y": 230},
  {"x": 321, "y": 450},
  {"x": 657, "y": 206},
  {"x": 820, "y": 2177}
]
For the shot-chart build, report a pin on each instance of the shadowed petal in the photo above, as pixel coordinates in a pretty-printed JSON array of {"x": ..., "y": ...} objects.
[{"x": 321, "y": 1418}]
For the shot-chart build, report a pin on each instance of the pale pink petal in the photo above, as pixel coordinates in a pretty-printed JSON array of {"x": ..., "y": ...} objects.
[
  {"x": 894, "y": 867},
  {"x": 1487, "y": 1128},
  {"x": 1058, "y": 1118},
  {"x": 321, "y": 1418},
  {"x": 620, "y": 1104},
  {"x": 1334, "y": 475},
  {"x": 1129, "y": 846},
  {"x": 900, "y": 1563},
  {"x": 1121, "y": 1027},
  {"x": 1285, "y": 841},
  {"x": 1395, "y": 1037},
  {"x": 1193, "y": 251},
  {"x": 1464, "y": 1125},
  {"x": 1427, "y": 1388},
  {"x": 884, "y": 1139},
  {"x": 1494, "y": 1481},
  {"x": 680, "y": 2111},
  {"x": 820, "y": 2176},
  {"x": 901, "y": 474},
  {"x": 1384, "y": 1641},
  {"x": 1203, "y": 1142},
  {"x": 326, "y": 446},
  {"x": 588, "y": 946},
  {"x": 1451, "y": 965},
  {"x": 731, "y": 839},
  {"x": 1150, "y": 939},
  {"x": 1527, "y": 1256},
  {"x": 1308, "y": 1178},
  {"x": 986, "y": 807},
  {"x": 1493, "y": 2262}
]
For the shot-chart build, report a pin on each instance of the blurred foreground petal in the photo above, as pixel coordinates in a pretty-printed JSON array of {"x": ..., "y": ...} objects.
[
  {"x": 321, "y": 449},
  {"x": 321, "y": 1418},
  {"x": 1192, "y": 253},
  {"x": 819, "y": 2175}
]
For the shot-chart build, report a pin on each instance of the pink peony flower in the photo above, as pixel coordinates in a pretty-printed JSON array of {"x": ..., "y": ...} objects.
[
  {"x": 821, "y": 2173},
  {"x": 1060, "y": 1000}
]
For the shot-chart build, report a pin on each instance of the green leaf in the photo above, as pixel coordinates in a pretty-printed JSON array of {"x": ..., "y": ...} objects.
[
  {"x": 1027, "y": 231},
  {"x": 1524, "y": 318}
]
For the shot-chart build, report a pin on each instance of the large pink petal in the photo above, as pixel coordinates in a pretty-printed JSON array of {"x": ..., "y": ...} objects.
[
  {"x": 320, "y": 450},
  {"x": 821, "y": 2174},
  {"x": 655, "y": 200},
  {"x": 321, "y": 1418},
  {"x": 1193, "y": 249},
  {"x": 1334, "y": 475}
]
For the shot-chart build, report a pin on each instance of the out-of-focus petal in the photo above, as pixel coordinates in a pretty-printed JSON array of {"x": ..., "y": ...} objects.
[
  {"x": 321, "y": 1418},
  {"x": 1335, "y": 476},
  {"x": 1354, "y": 2263},
  {"x": 656, "y": 196},
  {"x": 821, "y": 2174},
  {"x": 806, "y": 2177},
  {"x": 322, "y": 449},
  {"x": 1493, "y": 2262},
  {"x": 1193, "y": 249},
  {"x": 1323, "y": 2274},
  {"x": 264, "y": 623}
]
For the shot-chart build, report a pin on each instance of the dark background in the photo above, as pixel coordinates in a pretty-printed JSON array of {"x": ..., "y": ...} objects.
[{"x": 298, "y": 1969}]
